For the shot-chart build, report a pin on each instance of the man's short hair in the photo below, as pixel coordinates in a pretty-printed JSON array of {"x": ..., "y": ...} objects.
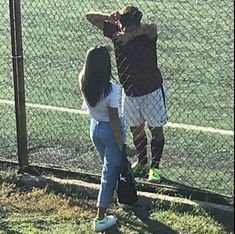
[{"x": 130, "y": 15}]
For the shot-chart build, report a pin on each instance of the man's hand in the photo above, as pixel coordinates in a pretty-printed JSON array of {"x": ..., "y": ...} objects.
[
  {"x": 150, "y": 30},
  {"x": 122, "y": 38},
  {"x": 114, "y": 17},
  {"x": 97, "y": 19}
]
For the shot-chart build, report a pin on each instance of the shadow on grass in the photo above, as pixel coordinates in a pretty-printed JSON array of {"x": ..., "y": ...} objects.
[
  {"x": 227, "y": 219},
  {"x": 142, "y": 213},
  {"x": 153, "y": 226},
  {"x": 173, "y": 188},
  {"x": 113, "y": 230},
  {"x": 167, "y": 186}
]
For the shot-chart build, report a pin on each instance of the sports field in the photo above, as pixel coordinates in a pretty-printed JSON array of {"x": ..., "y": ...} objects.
[{"x": 195, "y": 53}]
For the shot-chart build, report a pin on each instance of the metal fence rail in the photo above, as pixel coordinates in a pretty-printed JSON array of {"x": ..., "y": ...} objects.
[{"x": 195, "y": 55}]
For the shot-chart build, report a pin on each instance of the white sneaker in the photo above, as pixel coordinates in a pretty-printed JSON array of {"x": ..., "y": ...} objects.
[{"x": 107, "y": 222}]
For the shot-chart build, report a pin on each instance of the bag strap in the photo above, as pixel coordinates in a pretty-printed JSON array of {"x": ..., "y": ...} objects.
[
  {"x": 123, "y": 154},
  {"x": 124, "y": 160}
]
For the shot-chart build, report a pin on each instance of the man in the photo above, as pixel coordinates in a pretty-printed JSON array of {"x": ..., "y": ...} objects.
[{"x": 144, "y": 101}]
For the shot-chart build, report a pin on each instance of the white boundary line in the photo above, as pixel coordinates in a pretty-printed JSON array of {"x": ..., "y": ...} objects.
[
  {"x": 200, "y": 128},
  {"x": 169, "y": 124}
]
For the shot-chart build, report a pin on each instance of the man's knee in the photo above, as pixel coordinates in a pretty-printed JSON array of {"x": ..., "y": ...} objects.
[
  {"x": 157, "y": 133},
  {"x": 138, "y": 132}
]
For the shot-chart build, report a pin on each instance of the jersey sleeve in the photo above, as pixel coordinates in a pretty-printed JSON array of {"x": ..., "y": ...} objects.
[
  {"x": 110, "y": 29},
  {"x": 114, "y": 97}
]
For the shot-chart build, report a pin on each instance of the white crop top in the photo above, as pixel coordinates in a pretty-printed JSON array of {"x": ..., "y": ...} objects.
[{"x": 100, "y": 111}]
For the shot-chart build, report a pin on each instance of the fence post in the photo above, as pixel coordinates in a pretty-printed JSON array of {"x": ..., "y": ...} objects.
[{"x": 18, "y": 75}]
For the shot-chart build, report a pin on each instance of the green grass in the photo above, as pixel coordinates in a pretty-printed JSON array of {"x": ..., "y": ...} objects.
[
  {"x": 40, "y": 211},
  {"x": 194, "y": 54},
  {"x": 194, "y": 165},
  {"x": 196, "y": 59}
]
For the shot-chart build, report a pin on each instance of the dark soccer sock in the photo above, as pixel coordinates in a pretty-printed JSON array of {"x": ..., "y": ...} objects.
[
  {"x": 141, "y": 148},
  {"x": 157, "y": 149}
]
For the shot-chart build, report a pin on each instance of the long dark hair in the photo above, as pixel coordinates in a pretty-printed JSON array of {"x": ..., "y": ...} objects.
[{"x": 95, "y": 81}]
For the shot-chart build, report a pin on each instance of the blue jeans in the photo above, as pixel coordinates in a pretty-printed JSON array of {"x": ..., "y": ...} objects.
[{"x": 102, "y": 137}]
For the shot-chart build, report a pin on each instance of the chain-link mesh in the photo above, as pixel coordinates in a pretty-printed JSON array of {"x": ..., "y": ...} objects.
[
  {"x": 7, "y": 114},
  {"x": 195, "y": 56}
]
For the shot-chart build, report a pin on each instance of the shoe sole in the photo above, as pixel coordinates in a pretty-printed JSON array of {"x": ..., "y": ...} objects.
[
  {"x": 144, "y": 172},
  {"x": 155, "y": 181},
  {"x": 111, "y": 225}
]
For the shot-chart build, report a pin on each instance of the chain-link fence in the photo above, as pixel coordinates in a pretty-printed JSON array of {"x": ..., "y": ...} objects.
[
  {"x": 7, "y": 113},
  {"x": 195, "y": 56}
]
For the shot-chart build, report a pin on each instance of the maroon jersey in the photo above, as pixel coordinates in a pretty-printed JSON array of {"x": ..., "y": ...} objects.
[{"x": 137, "y": 63}]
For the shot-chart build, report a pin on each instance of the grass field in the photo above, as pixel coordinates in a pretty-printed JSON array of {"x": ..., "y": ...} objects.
[
  {"x": 40, "y": 211},
  {"x": 195, "y": 50}
]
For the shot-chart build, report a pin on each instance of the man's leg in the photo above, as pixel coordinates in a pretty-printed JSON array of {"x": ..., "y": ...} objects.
[
  {"x": 157, "y": 145},
  {"x": 140, "y": 142}
]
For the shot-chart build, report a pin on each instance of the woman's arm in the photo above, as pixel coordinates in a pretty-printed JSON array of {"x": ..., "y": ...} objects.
[{"x": 116, "y": 126}]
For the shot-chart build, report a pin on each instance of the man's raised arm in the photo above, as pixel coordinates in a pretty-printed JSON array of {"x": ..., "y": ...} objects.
[
  {"x": 149, "y": 30},
  {"x": 98, "y": 18}
]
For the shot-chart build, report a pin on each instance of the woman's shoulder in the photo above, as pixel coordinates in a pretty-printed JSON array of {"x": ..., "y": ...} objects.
[{"x": 80, "y": 77}]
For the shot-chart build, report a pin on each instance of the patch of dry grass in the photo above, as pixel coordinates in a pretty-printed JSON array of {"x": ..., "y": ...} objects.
[
  {"x": 41, "y": 211},
  {"x": 40, "y": 201}
]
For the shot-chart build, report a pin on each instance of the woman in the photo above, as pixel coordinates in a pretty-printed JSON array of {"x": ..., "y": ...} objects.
[{"x": 101, "y": 100}]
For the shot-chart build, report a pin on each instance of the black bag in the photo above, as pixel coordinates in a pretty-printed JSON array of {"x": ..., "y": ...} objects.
[{"x": 126, "y": 189}]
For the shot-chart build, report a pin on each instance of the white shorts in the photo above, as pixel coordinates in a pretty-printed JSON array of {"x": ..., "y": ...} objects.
[{"x": 150, "y": 108}]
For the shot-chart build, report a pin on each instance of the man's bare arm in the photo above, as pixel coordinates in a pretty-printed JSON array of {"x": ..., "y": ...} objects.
[
  {"x": 98, "y": 18},
  {"x": 149, "y": 30}
]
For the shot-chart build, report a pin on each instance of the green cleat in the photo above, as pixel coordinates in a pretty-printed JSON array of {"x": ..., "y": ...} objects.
[
  {"x": 140, "y": 169},
  {"x": 154, "y": 175}
]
